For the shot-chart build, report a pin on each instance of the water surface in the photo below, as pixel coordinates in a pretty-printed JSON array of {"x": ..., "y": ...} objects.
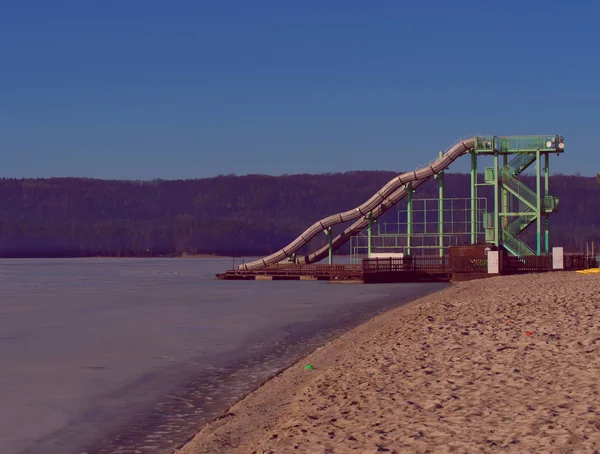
[{"x": 119, "y": 355}]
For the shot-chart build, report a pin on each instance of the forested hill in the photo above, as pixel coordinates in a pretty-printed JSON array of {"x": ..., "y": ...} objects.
[{"x": 229, "y": 215}]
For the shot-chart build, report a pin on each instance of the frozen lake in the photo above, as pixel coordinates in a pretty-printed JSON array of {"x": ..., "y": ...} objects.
[{"x": 114, "y": 355}]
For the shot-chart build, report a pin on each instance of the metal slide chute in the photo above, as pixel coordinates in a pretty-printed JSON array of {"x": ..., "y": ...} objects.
[
  {"x": 379, "y": 203},
  {"x": 358, "y": 226}
]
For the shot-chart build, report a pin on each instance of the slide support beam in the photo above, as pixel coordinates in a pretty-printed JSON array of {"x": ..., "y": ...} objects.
[
  {"x": 547, "y": 192},
  {"x": 496, "y": 210},
  {"x": 440, "y": 177},
  {"x": 330, "y": 239},
  {"x": 409, "y": 216},
  {"x": 538, "y": 184},
  {"x": 369, "y": 235},
  {"x": 473, "y": 197}
]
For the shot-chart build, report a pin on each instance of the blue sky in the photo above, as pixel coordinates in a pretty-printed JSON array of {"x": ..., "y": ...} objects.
[{"x": 143, "y": 89}]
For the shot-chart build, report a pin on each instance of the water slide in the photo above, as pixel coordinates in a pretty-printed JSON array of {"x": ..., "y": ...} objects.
[{"x": 379, "y": 203}]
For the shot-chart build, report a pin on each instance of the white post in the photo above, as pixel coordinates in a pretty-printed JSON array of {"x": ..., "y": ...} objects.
[
  {"x": 493, "y": 262},
  {"x": 558, "y": 258}
]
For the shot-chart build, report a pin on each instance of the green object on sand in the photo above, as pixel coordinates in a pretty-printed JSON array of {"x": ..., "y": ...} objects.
[{"x": 309, "y": 367}]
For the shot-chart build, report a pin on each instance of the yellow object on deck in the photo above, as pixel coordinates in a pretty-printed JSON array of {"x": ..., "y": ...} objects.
[{"x": 590, "y": 271}]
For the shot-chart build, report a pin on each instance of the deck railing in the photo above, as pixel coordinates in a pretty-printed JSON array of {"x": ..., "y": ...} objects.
[
  {"x": 314, "y": 267},
  {"x": 469, "y": 265},
  {"x": 510, "y": 264},
  {"x": 580, "y": 262},
  {"x": 378, "y": 265},
  {"x": 425, "y": 264},
  {"x": 526, "y": 264},
  {"x": 433, "y": 265}
]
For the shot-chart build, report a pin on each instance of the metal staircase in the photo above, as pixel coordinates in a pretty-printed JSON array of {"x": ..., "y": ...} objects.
[
  {"x": 517, "y": 206},
  {"x": 526, "y": 205},
  {"x": 519, "y": 224},
  {"x": 519, "y": 189},
  {"x": 514, "y": 245},
  {"x": 519, "y": 163}
]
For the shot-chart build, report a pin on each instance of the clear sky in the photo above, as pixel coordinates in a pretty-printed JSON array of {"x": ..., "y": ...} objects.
[{"x": 143, "y": 89}]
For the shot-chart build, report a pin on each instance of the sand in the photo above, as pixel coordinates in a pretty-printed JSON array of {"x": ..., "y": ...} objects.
[{"x": 507, "y": 364}]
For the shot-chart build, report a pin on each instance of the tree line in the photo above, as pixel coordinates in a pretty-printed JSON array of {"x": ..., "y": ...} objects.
[{"x": 224, "y": 215}]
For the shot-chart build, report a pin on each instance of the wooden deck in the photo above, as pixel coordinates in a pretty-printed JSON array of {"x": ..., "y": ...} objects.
[
  {"x": 291, "y": 272},
  {"x": 370, "y": 271},
  {"x": 407, "y": 269}
]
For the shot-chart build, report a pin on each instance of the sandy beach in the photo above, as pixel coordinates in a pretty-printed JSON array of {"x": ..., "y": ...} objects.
[{"x": 507, "y": 364}]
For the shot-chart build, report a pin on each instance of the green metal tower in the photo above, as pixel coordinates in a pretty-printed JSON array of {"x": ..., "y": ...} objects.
[
  {"x": 430, "y": 225},
  {"x": 516, "y": 206}
]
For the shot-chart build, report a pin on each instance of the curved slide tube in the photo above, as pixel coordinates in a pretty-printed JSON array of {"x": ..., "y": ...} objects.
[
  {"x": 378, "y": 204},
  {"x": 359, "y": 225}
]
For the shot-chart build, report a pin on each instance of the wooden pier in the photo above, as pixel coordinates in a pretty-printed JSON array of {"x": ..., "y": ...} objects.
[
  {"x": 418, "y": 269},
  {"x": 407, "y": 269},
  {"x": 291, "y": 272}
]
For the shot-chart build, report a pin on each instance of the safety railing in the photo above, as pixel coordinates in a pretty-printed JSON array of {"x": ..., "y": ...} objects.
[
  {"x": 469, "y": 265},
  {"x": 426, "y": 264},
  {"x": 526, "y": 264},
  {"x": 519, "y": 224},
  {"x": 534, "y": 143},
  {"x": 522, "y": 190},
  {"x": 378, "y": 265},
  {"x": 313, "y": 267},
  {"x": 580, "y": 262},
  {"x": 519, "y": 163},
  {"x": 515, "y": 246},
  {"x": 489, "y": 144}
]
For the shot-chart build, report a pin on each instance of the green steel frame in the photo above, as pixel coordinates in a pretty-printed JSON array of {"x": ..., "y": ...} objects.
[
  {"x": 533, "y": 206},
  {"x": 515, "y": 205},
  {"x": 420, "y": 229}
]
